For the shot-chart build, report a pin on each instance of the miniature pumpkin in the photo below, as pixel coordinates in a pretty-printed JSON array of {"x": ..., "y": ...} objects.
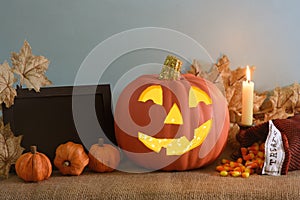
[
  {"x": 103, "y": 157},
  {"x": 33, "y": 166},
  {"x": 171, "y": 122},
  {"x": 70, "y": 158}
]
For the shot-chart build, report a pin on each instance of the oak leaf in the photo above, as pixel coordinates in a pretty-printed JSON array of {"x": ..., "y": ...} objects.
[
  {"x": 10, "y": 149},
  {"x": 7, "y": 79},
  {"x": 30, "y": 68}
]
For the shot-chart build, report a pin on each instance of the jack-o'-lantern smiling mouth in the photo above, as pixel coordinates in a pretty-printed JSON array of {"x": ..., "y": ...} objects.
[{"x": 176, "y": 146}]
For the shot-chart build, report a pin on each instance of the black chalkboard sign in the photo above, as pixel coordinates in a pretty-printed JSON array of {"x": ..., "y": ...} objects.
[{"x": 56, "y": 115}]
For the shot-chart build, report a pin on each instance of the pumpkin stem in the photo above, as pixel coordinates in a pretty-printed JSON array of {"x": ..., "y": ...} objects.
[
  {"x": 67, "y": 163},
  {"x": 100, "y": 142},
  {"x": 171, "y": 69},
  {"x": 33, "y": 149}
]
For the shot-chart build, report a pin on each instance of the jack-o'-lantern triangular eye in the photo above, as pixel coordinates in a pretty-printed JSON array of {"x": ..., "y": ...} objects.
[
  {"x": 154, "y": 93},
  {"x": 174, "y": 116},
  {"x": 196, "y": 95}
]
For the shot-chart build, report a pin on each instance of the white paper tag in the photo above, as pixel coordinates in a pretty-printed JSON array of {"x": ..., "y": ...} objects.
[{"x": 274, "y": 152}]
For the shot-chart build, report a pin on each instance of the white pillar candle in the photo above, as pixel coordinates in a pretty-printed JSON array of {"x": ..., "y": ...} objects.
[{"x": 247, "y": 100}]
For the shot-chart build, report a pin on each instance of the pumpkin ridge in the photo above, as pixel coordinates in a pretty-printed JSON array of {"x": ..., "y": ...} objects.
[
  {"x": 23, "y": 162},
  {"x": 34, "y": 159},
  {"x": 45, "y": 163},
  {"x": 30, "y": 172}
]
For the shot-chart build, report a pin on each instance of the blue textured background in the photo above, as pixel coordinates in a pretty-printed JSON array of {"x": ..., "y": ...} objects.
[{"x": 261, "y": 33}]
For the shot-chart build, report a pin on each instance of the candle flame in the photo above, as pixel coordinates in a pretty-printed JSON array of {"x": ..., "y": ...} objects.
[{"x": 248, "y": 74}]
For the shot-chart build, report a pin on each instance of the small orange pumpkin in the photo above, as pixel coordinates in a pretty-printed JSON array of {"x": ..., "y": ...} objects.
[
  {"x": 70, "y": 158},
  {"x": 103, "y": 157},
  {"x": 33, "y": 166}
]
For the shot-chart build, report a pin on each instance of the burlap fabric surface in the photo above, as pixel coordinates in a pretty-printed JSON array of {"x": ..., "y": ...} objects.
[{"x": 197, "y": 184}]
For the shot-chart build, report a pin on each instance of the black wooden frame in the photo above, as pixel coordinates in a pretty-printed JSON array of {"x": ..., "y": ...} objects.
[{"x": 45, "y": 118}]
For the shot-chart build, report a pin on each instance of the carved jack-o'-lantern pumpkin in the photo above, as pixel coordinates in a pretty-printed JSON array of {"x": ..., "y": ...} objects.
[{"x": 171, "y": 121}]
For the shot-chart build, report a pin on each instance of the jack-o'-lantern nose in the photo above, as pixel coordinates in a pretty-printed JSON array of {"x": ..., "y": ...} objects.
[{"x": 174, "y": 116}]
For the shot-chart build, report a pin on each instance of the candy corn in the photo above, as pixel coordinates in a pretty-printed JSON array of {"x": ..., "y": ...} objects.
[{"x": 251, "y": 162}]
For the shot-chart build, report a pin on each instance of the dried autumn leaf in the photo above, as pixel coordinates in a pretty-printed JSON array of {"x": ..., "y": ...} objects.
[
  {"x": 297, "y": 94},
  {"x": 234, "y": 130},
  {"x": 10, "y": 149},
  {"x": 7, "y": 79},
  {"x": 30, "y": 68},
  {"x": 283, "y": 102},
  {"x": 213, "y": 75},
  {"x": 259, "y": 99}
]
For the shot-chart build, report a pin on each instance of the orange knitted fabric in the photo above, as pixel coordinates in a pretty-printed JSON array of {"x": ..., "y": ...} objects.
[{"x": 290, "y": 132}]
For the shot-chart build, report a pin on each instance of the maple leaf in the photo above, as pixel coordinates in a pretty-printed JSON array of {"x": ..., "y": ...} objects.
[
  {"x": 7, "y": 79},
  {"x": 10, "y": 149},
  {"x": 30, "y": 68}
]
